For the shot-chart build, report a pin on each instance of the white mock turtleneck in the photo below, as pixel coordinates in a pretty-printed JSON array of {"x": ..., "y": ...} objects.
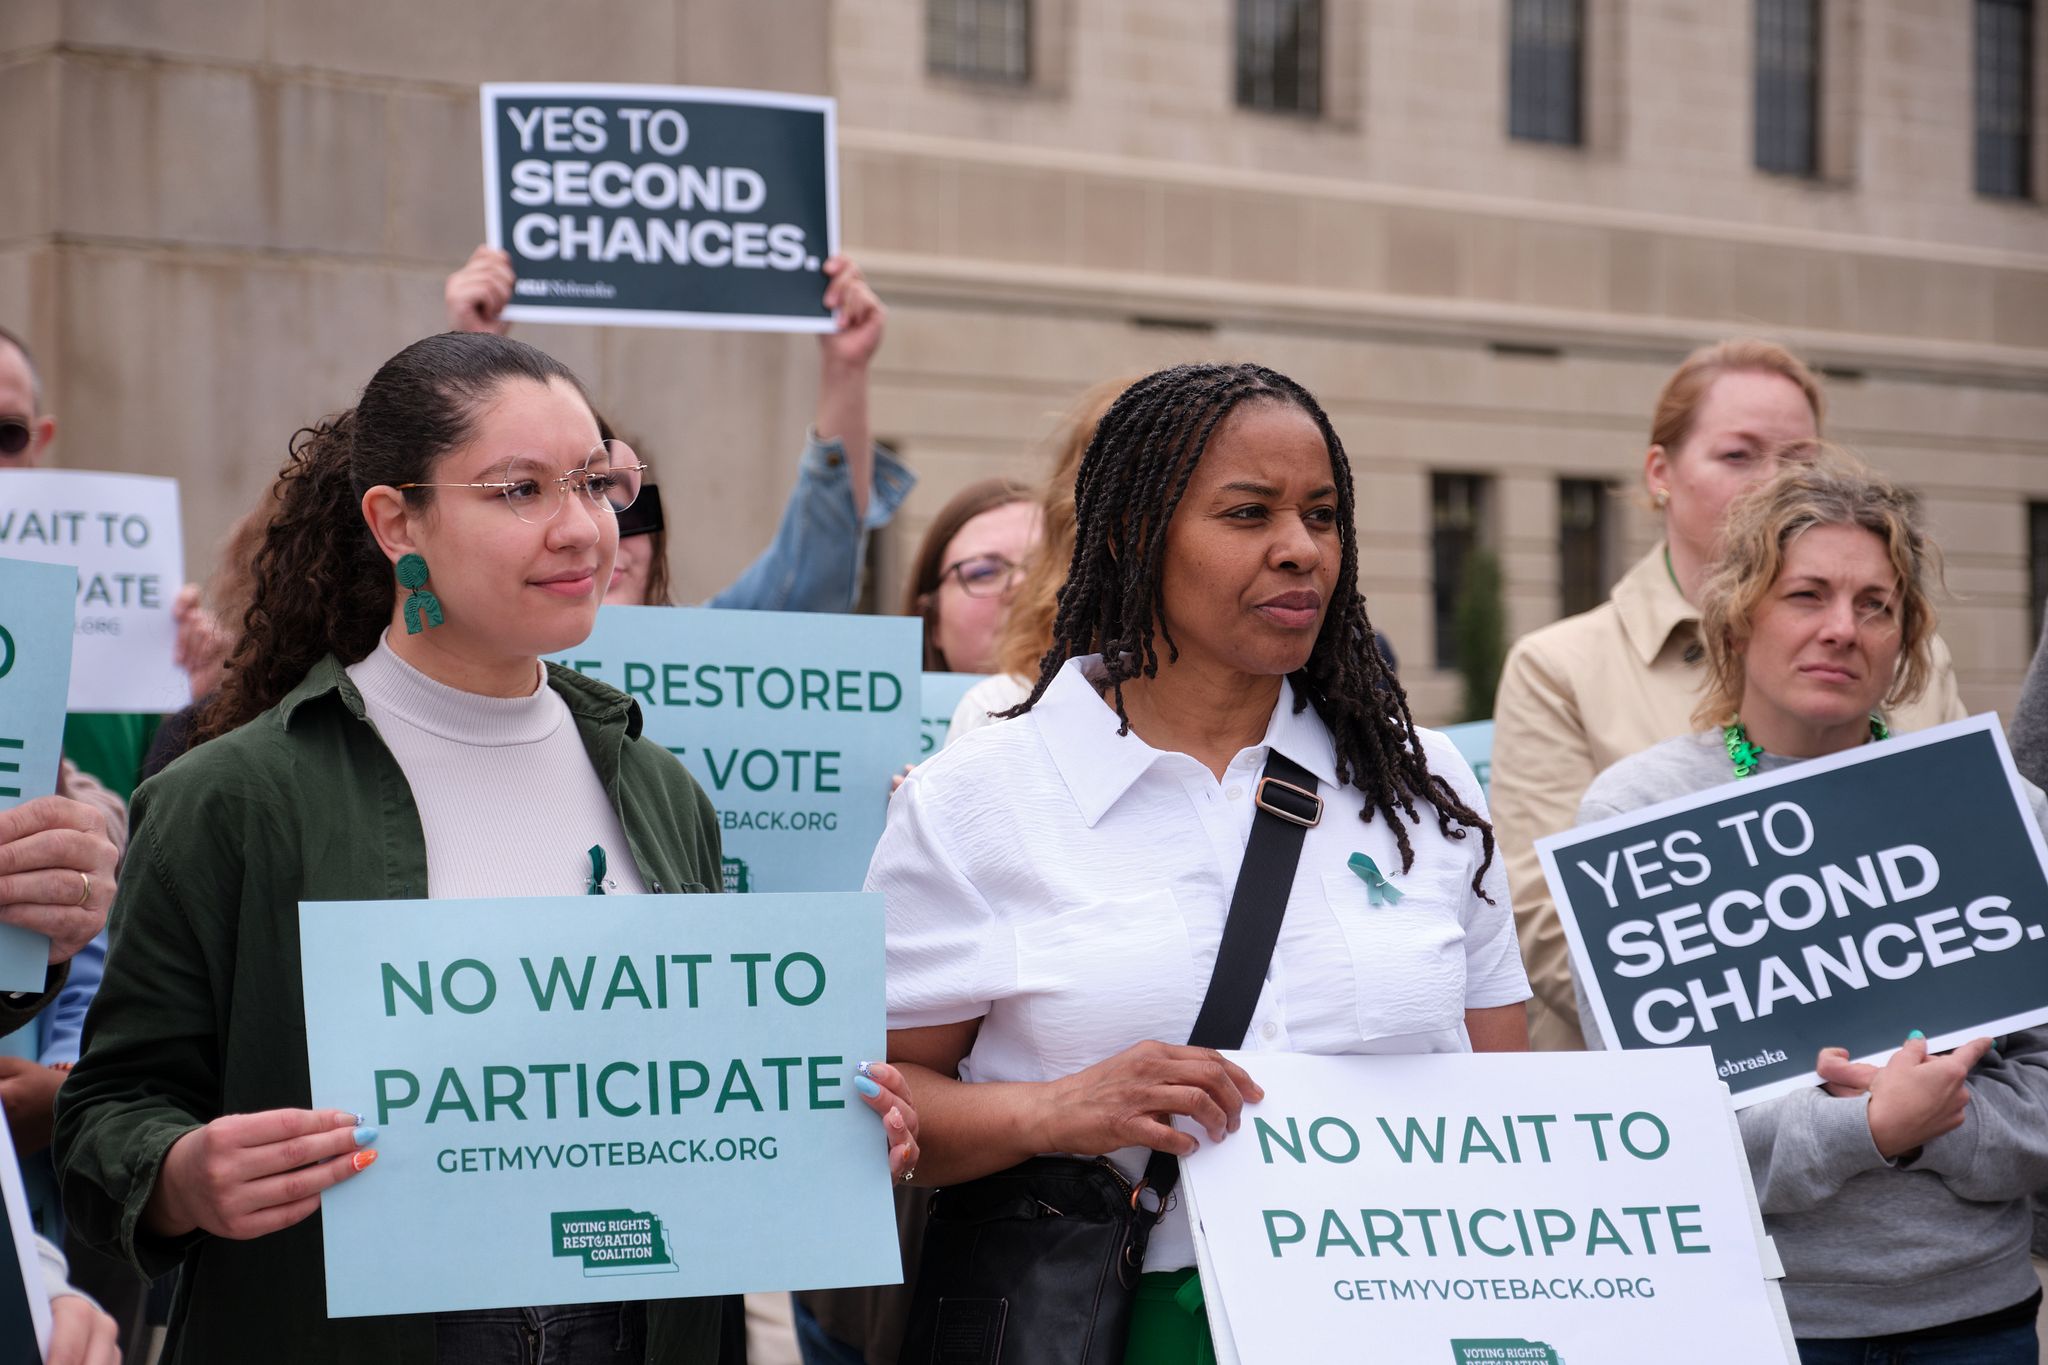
[{"x": 507, "y": 798}]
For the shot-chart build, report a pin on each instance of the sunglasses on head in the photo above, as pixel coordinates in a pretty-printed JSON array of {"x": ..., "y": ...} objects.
[{"x": 14, "y": 434}]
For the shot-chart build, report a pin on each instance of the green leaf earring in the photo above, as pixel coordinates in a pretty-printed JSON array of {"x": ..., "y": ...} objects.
[{"x": 412, "y": 573}]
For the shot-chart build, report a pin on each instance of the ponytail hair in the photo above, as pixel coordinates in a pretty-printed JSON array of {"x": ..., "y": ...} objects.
[{"x": 320, "y": 583}]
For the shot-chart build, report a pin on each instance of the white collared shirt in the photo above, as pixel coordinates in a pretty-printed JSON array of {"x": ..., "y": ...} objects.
[{"x": 1068, "y": 886}]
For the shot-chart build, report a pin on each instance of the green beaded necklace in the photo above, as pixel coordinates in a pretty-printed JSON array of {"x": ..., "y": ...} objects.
[{"x": 1745, "y": 755}]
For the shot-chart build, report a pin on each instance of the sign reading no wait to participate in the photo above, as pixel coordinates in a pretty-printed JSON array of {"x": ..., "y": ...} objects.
[
  {"x": 1835, "y": 903},
  {"x": 663, "y": 206},
  {"x": 1490, "y": 1209},
  {"x": 121, "y": 532},
  {"x": 596, "y": 1098}
]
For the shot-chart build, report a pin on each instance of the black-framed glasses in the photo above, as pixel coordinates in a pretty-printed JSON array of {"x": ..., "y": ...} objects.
[
  {"x": 610, "y": 478},
  {"x": 983, "y": 575},
  {"x": 14, "y": 434}
]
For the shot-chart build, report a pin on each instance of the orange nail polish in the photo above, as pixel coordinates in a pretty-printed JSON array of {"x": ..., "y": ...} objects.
[{"x": 361, "y": 1160}]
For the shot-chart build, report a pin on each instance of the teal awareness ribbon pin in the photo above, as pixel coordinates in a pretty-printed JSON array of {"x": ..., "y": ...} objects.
[
  {"x": 597, "y": 869},
  {"x": 1377, "y": 888}
]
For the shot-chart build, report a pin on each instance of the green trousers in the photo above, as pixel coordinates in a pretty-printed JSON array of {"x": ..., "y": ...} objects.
[{"x": 1168, "y": 1325}]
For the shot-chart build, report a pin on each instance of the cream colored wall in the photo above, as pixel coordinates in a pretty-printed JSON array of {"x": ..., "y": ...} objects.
[{"x": 227, "y": 214}]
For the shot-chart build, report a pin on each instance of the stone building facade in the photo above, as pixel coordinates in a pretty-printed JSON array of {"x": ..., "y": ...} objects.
[{"x": 225, "y": 215}]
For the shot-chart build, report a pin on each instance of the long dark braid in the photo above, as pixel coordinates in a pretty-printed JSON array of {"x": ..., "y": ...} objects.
[{"x": 1130, "y": 483}]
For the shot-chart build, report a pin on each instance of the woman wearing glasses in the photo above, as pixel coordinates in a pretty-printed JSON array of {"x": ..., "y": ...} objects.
[
  {"x": 967, "y": 566},
  {"x": 386, "y": 729}
]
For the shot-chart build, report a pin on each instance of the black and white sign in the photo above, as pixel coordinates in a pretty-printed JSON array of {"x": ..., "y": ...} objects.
[
  {"x": 1838, "y": 903},
  {"x": 663, "y": 206}
]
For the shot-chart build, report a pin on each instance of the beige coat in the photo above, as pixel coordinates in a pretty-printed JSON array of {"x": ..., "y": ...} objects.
[{"x": 1579, "y": 695}]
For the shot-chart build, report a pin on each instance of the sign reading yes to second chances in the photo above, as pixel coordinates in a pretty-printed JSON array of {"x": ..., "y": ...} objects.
[
  {"x": 663, "y": 206},
  {"x": 121, "y": 532},
  {"x": 1485, "y": 1209},
  {"x": 1834, "y": 903},
  {"x": 792, "y": 722}
]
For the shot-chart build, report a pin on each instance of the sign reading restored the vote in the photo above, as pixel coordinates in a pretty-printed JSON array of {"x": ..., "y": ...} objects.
[
  {"x": 1591, "y": 1208},
  {"x": 792, "y": 723},
  {"x": 599, "y": 1098},
  {"x": 121, "y": 533},
  {"x": 1836, "y": 903},
  {"x": 662, "y": 206}
]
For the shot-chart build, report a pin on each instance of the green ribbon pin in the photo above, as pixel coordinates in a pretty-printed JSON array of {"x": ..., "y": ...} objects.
[
  {"x": 1377, "y": 888},
  {"x": 597, "y": 869}
]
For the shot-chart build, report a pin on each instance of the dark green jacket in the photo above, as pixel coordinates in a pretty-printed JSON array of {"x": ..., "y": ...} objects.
[{"x": 202, "y": 1012}]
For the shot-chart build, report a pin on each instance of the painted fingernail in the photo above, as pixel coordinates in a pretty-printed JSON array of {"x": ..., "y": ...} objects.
[
  {"x": 865, "y": 1068},
  {"x": 894, "y": 1119},
  {"x": 362, "y": 1160},
  {"x": 866, "y": 1086},
  {"x": 366, "y": 1134},
  {"x": 1916, "y": 1033}
]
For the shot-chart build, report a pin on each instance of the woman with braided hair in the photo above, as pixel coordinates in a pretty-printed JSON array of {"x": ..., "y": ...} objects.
[{"x": 1057, "y": 886}]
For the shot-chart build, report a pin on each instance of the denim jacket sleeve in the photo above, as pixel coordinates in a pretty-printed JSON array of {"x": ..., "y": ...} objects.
[{"x": 814, "y": 562}]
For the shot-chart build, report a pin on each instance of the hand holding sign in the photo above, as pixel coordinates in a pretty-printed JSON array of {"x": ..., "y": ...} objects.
[
  {"x": 56, "y": 872},
  {"x": 1129, "y": 1100},
  {"x": 1914, "y": 1098},
  {"x": 476, "y": 294},
  {"x": 245, "y": 1175}
]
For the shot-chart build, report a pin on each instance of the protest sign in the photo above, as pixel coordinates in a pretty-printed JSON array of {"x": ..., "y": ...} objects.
[
  {"x": 1488, "y": 1209},
  {"x": 662, "y": 206},
  {"x": 35, "y": 674},
  {"x": 24, "y": 1301},
  {"x": 1475, "y": 742},
  {"x": 941, "y": 694},
  {"x": 599, "y": 1097},
  {"x": 792, "y": 722},
  {"x": 121, "y": 532},
  {"x": 1836, "y": 903}
]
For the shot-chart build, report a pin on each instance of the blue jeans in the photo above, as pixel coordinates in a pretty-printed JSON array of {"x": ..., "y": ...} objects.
[
  {"x": 2004, "y": 1346},
  {"x": 572, "y": 1334},
  {"x": 815, "y": 1346}
]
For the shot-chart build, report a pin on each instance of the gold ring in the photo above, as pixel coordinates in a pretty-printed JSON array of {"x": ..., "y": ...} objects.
[{"x": 85, "y": 890}]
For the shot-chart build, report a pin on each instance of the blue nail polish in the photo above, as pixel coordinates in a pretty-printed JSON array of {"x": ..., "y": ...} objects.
[
  {"x": 366, "y": 1134},
  {"x": 1916, "y": 1033},
  {"x": 866, "y": 1086}
]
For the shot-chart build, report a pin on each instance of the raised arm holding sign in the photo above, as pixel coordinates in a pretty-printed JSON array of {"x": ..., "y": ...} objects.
[{"x": 1798, "y": 890}]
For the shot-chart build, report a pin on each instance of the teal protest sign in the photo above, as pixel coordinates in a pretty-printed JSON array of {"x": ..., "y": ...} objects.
[
  {"x": 1835, "y": 903},
  {"x": 1475, "y": 742},
  {"x": 793, "y": 723},
  {"x": 35, "y": 676},
  {"x": 599, "y": 1098},
  {"x": 662, "y": 206},
  {"x": 941, "y": 694}
]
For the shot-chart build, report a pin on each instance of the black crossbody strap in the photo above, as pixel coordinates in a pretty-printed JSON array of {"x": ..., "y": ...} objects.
[{"x": 1287, "y": 807}]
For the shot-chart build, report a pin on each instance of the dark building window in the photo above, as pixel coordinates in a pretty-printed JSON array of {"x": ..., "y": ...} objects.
[
  {"x": 1545, "y": 38},
  {"x": 1787, "y": 86},
  {"x": 988, "y": 40},
  {"x": 2037, "y": 564},
  {"x": 1457, "y": 504},
  {"x": 1280, "y": 56},
  {"x": 1582, "y": 567},
  {"x": 2005, "y": 98}
]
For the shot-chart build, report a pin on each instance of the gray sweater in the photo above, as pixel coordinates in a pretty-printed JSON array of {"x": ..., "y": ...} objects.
[{"x": 1872, "y": 1247}]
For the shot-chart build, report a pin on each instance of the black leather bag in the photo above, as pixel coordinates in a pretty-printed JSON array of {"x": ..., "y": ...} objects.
[{"x": 1039, "y": 1264}]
